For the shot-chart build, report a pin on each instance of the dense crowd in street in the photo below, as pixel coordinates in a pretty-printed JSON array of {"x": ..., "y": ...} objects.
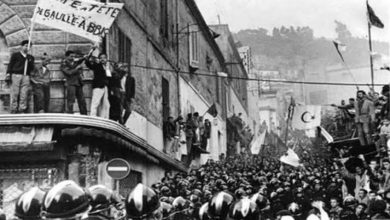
[{"x": 237, "y": 187}]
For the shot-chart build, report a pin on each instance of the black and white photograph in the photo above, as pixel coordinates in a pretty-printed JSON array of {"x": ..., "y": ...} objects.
[{"x": 195, "y": 109}]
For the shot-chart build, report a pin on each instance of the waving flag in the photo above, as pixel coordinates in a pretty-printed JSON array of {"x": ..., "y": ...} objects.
[
  {"x": 326, "y": 135},
  {"x": 290, "y": 158},
  {"x": 306, "y": 117},
  {"x": 373, "y": 19},
  {"x": 340, "y": 47}
]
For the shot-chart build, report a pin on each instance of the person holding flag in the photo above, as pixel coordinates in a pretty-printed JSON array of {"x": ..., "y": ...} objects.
[
  {"x": 19, "y": 69},
  {"x": 73, "y": 70}
]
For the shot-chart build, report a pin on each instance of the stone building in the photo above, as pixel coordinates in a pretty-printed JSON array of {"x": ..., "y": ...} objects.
[
  {"x": 240, "y": 125},
  {"x": 174, "y": 60}
]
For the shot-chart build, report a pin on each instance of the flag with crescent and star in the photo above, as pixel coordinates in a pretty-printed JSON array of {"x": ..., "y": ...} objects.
[{"x": 306, "y": 117}]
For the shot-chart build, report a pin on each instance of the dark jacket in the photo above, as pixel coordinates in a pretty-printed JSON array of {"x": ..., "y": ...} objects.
[
  {"x": 72, "y": 75},
  {"x": 17, "y": 63},
  {"x": 130, "y": 87},
  {"x": 100, "y": 80},
  {"x": 39, "y": 76}
]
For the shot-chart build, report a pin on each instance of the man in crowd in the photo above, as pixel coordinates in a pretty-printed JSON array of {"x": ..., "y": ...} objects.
[
  {"x": 102, "y": 70},
  {"x": 19, "y": 70},
  {"x": 40, "y": 79},
  {"x": 365, "y": 117},
  {"x": 72, "y": 69}
]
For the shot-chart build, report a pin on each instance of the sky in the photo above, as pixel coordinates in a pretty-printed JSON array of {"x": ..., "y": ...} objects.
[{"x": 317, "y": 14}]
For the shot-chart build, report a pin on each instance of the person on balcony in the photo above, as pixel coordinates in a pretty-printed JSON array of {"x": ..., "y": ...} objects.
[
  {"x": 19, "y": 69},
  {"x": 128, "y": 97},
  {"x": 73, "y": 70},
  {"x": 365, "y": 116},
  {"x": 40, "y": 79},
  {"x": 115, "y": 91},
  {"x": 169, "y": 129},
  {"x": 102, "y": 71}
]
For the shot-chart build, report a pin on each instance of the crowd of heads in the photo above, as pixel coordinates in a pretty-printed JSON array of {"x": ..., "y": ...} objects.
[{"x": 241, "y": 187}]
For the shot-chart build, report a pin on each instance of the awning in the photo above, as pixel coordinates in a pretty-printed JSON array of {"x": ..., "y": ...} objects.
[{"x": 26, "y": 138}]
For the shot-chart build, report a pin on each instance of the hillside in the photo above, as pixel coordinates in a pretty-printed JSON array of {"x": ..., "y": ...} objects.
[{"x": 296, "y": 48}]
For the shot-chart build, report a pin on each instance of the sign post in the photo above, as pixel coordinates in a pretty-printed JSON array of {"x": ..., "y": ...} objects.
[{"x": 118, "y": 169}]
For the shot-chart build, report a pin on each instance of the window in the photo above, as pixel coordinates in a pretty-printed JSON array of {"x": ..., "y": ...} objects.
[
  {"x": 124, "y": 48},
  {"x": 164, "y": 29},
  {"x": 217, "y": 88},
  {"x": 193, "y": 47},
  {"x": 165, "y": 98}
]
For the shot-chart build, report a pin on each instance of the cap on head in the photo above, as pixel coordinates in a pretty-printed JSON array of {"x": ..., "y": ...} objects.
[{"x": 24, "y": 43}]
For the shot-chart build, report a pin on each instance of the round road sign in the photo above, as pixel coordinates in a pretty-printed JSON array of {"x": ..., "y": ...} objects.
[{"x": 118, "y": 168}]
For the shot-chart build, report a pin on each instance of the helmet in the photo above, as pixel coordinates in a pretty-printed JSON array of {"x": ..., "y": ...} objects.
[
  {"x": 349, "y": 201},
  {"x": 203, "y": 212},
  {"x": 101, "y": 198},
  {"x": 244, "y": 209},
  {"x": 141, "y": 202},
  {"x": 29, "y": 204},
  {"x": 294, "y": 208},
  {"x": 260, "y": 200},
  {"x": 180, "y": 203},
  {"x": 165, "y": 191},
  {"x": 219, "y": 205},
  {"x": 194, "y": 198},
  {"x": 65, "y": 200},
  {"x": 166, "y": 209},
  {"x": 240, "y": 193}
]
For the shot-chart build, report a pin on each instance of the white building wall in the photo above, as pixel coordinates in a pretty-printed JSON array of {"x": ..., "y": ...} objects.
[
  {"x": 237, "y": 107},
  {"x": 192, "y": 101}
]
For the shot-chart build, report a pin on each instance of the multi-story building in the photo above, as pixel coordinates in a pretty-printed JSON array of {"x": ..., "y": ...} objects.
[
  {"x": 237, "y": 95},
  {"x": 174, "y": 60}
]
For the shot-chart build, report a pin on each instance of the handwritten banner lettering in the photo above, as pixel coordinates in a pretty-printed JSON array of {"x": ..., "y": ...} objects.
[{"x": 85, "y": 18}]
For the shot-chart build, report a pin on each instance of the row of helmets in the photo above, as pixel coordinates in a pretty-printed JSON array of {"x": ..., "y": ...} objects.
[{"x": 67, "y": 200}]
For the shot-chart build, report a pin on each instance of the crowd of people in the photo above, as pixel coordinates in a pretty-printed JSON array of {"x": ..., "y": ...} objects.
[
  {"x": 369, "y": 115},
  {"x": 241, "y": 187},
  {"x": 113, "y": 87}
]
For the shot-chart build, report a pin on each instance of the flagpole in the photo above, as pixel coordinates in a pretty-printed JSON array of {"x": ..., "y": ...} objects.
[
  {"x": 289, "y": 116},
  {"x": 29, "y": 42},
  {"x": 370, "y": 47}
]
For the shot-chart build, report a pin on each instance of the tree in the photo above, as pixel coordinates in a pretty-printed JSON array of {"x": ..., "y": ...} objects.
[{"x": 343, "y": 34}]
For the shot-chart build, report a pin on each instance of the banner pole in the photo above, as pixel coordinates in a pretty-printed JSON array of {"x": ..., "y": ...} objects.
[
  {"x": 29, "y": 41},
  {"x": 370, "y": 47}
]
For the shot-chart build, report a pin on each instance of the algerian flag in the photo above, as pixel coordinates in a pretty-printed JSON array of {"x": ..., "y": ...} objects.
[
  {"x": 257, "y": 143},
  {"x": 291, "y": 158},
  {"x": 306, "y": 117}
]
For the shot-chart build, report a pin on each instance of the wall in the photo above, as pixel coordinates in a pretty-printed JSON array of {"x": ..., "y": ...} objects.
[
  {"x": 191, "y": 99},
  {"x": 153, "y": 57},
  {"x": 233, "y": 62}
]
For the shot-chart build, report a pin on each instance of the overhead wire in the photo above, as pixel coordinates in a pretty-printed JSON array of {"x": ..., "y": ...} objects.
[{"x": 215, "y": 75}]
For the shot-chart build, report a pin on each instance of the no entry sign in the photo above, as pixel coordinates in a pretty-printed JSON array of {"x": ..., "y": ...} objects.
[{"x": 118, "y": 168}]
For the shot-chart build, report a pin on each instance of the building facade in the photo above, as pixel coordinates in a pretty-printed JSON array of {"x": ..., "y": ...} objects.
[
  {"x": 174, "y": 60},
  {"x": 240, "y": 124}
]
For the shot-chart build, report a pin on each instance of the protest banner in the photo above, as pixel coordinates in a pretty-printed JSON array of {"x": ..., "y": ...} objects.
[{"x": 85, "y": 18}]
